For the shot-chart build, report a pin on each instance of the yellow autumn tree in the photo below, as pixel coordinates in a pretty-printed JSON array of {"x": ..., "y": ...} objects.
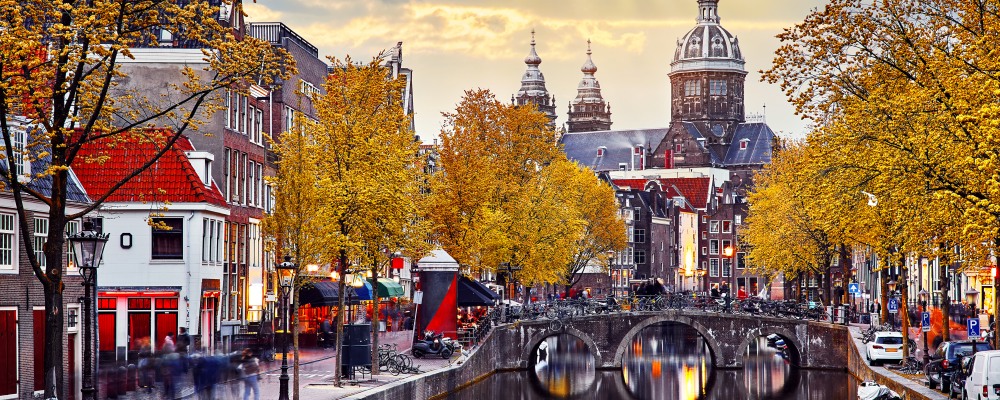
[
  {"x": 369, "y": 171},
  {"x": 60, "y": 77}
]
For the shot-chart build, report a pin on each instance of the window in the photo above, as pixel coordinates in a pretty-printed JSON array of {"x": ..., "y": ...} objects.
[
  {"x": 640, "y": 256},
  {"x": 739, "y": 219},
  {"x": 704, "y": 219},
  {"x": 678, "y": 147},
  {"x": 168, "y": 238},
  {"x": 727, "y": 267},
  {"x": 260, "y": 128},
  {"x": 251, "y": 122},
  {"x": 713, "y": 227},
  {"x": 692, "y": 88},
  {"x": 229, "y": 109},
  {"x": 243, "y": 114},
  {"x": 727, "y": 226},
  {"x": 713, "y": 267},
  {"x": 289, "y": 118},
  {"x": 41, "y": 232},
  {"x": 704, "y": 250},
  {"x": 600, "y": 151},
  {"x": 743, "y": 144},
  {"x": 717, "y": 88},
  {"x": 19, "y": 137},
  {"x": 251, "y": 180},
  {"x": 704, "y": 235},
  {"x": 640, "y": 236},
  {"x": 631, "y": 233},
  {"x": 226, "y": 170},
  {"x": 622, "y": 166},
  {"x": 726, "y": 245},
  {"x": 259, "y": 184},
  {"x": 713, "y": 247},
  {"x": 741, "y": 260},
  {"x": 7, "y": 243}
]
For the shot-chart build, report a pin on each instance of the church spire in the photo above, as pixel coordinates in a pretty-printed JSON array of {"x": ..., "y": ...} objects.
[
  {"x": 588, "y": 111},
  {"x": 533, "y": 86}
]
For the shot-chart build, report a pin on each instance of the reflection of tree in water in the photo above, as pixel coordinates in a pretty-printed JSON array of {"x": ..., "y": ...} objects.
[
  {"x": 668, "y": 361},
  {"x": 564, "y": 366}
]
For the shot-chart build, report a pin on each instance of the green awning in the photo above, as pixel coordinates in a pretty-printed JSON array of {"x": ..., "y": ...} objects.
[{"x": 389, "y": 288}]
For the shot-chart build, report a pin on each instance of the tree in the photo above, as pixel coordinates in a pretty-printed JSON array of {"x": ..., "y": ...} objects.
[
  {"x": 370, "y": 171},
  {"x": 61, "y": 71}
]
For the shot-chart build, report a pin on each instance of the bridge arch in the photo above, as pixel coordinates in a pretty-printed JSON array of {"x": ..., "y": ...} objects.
[
  {"x": 536, "y": 340},
  {"x": 718, "y": 358},
  {"x": 798, "y": 357}
]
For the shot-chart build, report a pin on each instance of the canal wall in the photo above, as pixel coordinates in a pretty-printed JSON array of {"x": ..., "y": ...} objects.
[{"x": 859, "y": 368}]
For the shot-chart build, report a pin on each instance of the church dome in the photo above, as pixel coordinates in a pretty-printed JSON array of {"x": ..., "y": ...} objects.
[{"x": 708, "y": 46}]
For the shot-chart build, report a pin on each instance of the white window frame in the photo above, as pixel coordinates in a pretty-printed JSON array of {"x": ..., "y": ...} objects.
[
  {"x": 14, "y": 258},
  {"x": 727, "y": 267},
  {"x": 38, "y": 239},
  {"x": 713, "y": 267},
  {"x": 713, "y": 247},
  {"x": 72, "y": 227},
  {"x": 713, "y": 226}
]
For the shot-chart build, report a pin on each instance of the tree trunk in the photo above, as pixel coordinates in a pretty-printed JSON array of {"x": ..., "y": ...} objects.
[
  {"x": 53, "y": 359},
  {"x": 53, "y": 287},
  {"x": 903, "y": 307},
  {"x": 295, "y": 339},
  {"x": 943, "y": 265},
  {"x": 341, "y": 314},
  {"x": 883, "y": 275},
  {"x": 375, "y": 319}
]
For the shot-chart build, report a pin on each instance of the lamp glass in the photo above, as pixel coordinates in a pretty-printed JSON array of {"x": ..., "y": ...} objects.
[
  {"x": 891, "y": 284},
  {"x": 312, "y": 267},
  {"x": 358, "y": 281}
]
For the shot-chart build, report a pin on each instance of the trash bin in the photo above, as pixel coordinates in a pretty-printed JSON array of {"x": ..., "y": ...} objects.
[{"x": 356, "y": 349}]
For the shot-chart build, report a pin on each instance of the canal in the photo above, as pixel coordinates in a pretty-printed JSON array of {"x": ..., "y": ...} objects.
[{"x": 668, "y": 361}]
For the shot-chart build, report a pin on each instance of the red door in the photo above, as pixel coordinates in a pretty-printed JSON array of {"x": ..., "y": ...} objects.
[
  {"x": 8, "y": 352},
  {"x": 71, "y": 393},
  {"x": 138, "y": 330},
  {"x": 38, "y": 317},
  {"x": 106, "y": 333},
  {"x": 165, "y": 323}
]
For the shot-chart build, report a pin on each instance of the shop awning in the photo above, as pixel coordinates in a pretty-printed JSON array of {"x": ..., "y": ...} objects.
[
  {"x": 389, "y": 288},
  {"x": 326, "y": 293},
  {"x": 472, "y": 293},
  {"x": 364, "y": 292}
]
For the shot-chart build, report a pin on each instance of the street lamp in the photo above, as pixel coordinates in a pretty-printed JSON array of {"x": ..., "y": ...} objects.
[
  {"x": 287, "y": 272},
  {"x": 88, "y": 247},
  {"x": 971, "y": 296}
]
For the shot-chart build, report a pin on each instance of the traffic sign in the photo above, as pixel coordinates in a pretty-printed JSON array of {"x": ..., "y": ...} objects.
[
  {"x": 973, "y": 325},
  {"x": 893, "y": 306},
  {"x": 854, "y": 288},
  {"x": 418, "y": 297},
  {"x": 925, "y": 321}
]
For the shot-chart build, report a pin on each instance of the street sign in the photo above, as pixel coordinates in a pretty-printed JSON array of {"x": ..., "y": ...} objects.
[
  {"x": 893, "y": 306},
  {"x": 854, "y": 288},
  {"x": 973, "y": 325},
  {"x": 418, "y": 297},
  {"x": 925, "y": 321}
]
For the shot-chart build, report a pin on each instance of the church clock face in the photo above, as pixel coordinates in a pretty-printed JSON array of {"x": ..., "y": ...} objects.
[{"x": 718, "y": 131}]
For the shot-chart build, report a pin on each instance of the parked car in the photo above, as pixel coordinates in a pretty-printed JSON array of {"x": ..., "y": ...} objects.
[
  {"x": 887, "y": 346},
  {"x": 983, "y": 382},
  {"x": 946, "y": 359}
]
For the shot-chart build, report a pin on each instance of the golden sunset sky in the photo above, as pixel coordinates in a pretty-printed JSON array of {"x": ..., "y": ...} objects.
[{"x": 455, "y": 45}]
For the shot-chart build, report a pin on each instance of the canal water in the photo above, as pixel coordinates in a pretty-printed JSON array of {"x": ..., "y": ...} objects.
[{"x": 668, "y": 361}]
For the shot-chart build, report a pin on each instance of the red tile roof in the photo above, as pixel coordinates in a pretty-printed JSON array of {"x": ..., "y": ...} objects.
[
  {"x": 101, "y": 164},
  {"x": 696, "y": 190}
]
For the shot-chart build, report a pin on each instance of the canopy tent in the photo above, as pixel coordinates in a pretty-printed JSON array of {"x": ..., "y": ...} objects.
[
  {"x": 389, "y": 288},
  {"x": 472, "y": 293},
  {"x": 326, "y": 293}
]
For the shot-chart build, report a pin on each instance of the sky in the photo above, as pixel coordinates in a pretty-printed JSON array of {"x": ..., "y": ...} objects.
[{"x": 458, "y": 45}]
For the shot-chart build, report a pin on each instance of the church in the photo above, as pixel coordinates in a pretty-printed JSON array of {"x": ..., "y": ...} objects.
[{"x": 683, "y": 188}]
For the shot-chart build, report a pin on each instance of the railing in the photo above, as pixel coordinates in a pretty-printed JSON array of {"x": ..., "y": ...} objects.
[{"x": 559, "y": 310}]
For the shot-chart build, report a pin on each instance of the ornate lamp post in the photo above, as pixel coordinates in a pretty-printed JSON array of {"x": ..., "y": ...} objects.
[
  {"x": 892, "y": 292},
  {"x": 286, "y": 270},
  {"x": 923, "y": 305},
  {"x": 88, "y": 247}
]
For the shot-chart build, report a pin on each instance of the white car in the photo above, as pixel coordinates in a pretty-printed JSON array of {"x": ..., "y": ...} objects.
[
  {"x": 984, "y": 376},
  {"x": 886, "y": 346}
]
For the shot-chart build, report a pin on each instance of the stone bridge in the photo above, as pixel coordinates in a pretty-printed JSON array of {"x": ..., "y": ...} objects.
[{"x": 608, "y": 336}]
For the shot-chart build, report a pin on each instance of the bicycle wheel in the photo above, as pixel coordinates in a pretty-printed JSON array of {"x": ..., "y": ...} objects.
[{"x": 405, "y": 363}]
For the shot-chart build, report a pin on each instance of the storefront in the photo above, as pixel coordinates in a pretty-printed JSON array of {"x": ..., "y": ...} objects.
[{"x": 318, "y": 302}]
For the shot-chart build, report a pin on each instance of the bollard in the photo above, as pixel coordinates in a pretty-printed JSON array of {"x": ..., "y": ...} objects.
[{"x": 131, "y": 376}]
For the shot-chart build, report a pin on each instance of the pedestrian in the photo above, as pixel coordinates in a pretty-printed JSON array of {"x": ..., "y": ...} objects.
[
  {"x": 741, "y": 294},
  {"x": 168, "y": 343},
  {"x": 183, "y": 340},
  {"x": 326, "y": 336},
  {"x": 251, "y": 372}
]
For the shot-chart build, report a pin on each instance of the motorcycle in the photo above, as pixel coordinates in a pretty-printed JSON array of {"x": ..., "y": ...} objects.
[{"x": 435, "y": 344}]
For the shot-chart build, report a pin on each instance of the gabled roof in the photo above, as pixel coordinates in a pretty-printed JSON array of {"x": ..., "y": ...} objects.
[
  {"x": 759, "y": 138},
  {"x": 695, "y": 190},
  {"x": 618, "y": 146},
  {"x": 101, "y": 164}
]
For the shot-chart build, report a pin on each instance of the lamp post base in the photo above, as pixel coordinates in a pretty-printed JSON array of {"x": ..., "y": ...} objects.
[
  {"x": 89, "y": 393},
  {"x": 283, "y": 383}
]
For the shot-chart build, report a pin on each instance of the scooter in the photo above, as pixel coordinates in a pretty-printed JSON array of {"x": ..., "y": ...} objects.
[{"x": 433, "y": 343}]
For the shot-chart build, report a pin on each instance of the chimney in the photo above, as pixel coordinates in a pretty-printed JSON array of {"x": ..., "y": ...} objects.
[{"x": 202, "y": 163}]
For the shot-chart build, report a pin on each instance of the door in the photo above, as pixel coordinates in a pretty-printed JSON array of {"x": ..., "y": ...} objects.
[
  {"x": 138, "y": 330},
  {"x": 8, "y": 352},
  {"x": 166, "y": 323},
  {"x": 71, "y": 377},
  {"x": 38, "y": 320}
]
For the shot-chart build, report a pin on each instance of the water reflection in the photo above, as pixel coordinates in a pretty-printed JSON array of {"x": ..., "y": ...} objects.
[
  {"x": 769, "y": 368},
  {"x": 668, "y": 361},
  {"x": 563, "y": 366},
  {"x": 726, "y": 385}
]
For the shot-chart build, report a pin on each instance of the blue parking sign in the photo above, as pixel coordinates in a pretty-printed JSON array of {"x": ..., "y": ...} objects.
[
  {"x": 925, "y": 321},
  {"x": 973, "y": 325},
  {"x": 893, "y": 305},
  {"x": 854, "y": 288}
]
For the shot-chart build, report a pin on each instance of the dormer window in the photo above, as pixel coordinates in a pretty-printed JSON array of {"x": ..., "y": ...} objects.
[
  {"x": 677, "y": 147},
  {"x": 638, "y": 150},
  {"x": 600, "y": 151},
  {"x": 744, "y": 143}
]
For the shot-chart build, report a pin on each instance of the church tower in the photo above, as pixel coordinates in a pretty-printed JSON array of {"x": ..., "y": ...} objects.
[
  {"x": 533, "y": 86},
  {"x": 707, "y": 78},
  {"x": 588, "y": 111}
]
